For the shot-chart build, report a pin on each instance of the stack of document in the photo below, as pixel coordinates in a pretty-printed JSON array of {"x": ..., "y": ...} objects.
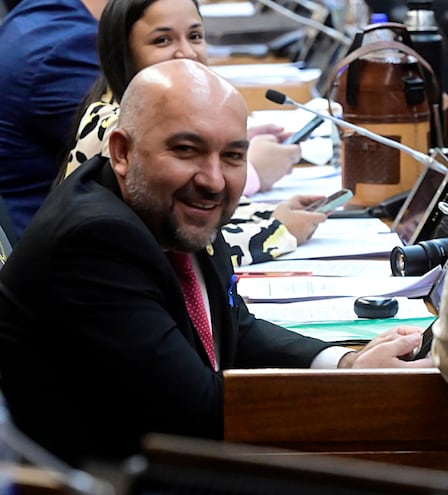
[
  {"x": 323, "y": 307},
  {"x": 266, "y": 74},
  {"x": 347, "y": 237},
  {"x": 272, "y": 288}
]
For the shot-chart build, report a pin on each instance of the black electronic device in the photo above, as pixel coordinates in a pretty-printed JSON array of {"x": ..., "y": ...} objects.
[
  {"x": 283, "y": 44},
  {"x": 425, "y": 347},
  {"x": 386, "y": 209},
  {"x": 419, "y": 214},
  {"x": 389, "y": 207},
  {"x": 434, "y": 299},
  {"x": 247, "y": 29},
  {"x": 434, "y": 296},
  {"x": 353, "y": 211},
  {"x": 419, "y": 258},
  {"x": 305, "y": 131},
  {"x": 426, "y": 342},
  {"x": 322, "y": 45},
  {"x": 375, "y": 307},
  {"x": 331, "y": 202}
]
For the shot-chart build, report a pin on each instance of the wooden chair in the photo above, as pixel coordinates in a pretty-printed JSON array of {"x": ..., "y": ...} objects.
[{"x": 398, "y": 416}]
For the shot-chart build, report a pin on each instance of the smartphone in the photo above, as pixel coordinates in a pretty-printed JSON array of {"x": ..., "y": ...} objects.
[
  {"x": 331, "y": 202},
  {"x": 305, "y": 131},
  {"x": 426, "y": 343}
]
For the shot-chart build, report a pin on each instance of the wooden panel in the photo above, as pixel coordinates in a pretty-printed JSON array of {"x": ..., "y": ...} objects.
[
  {"x": 301, "y": 91},
  {"x": 256, "y": 100},
  {"x": 224, "y": 467},
  {"x": 391, "y": 415}
]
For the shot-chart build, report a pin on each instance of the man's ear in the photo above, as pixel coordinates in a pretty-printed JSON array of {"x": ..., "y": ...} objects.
[{"x": 119, "y": 149}]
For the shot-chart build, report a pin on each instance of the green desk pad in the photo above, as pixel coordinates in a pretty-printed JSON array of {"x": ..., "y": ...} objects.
[{"x": 355, "y": 331}]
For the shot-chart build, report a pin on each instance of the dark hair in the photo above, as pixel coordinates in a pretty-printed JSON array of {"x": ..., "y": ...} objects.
[
  {"x": 116, "y": 22},
  {"x": 116, "y": 66}
]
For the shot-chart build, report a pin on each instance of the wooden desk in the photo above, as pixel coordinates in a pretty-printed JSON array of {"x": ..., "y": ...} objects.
[
  {"x": 256, "y": 100},
  {"x": 246, "y": 59},
  {"x": 254, "y": 93},
  {"x": 398, "y": 416}
]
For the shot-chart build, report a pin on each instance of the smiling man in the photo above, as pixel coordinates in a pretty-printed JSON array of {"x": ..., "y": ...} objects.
[
  {"x": 100, "y": 340},
  {"x": 198, "y": 159}
]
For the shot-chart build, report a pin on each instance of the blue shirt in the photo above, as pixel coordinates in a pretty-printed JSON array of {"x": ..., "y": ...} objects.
[{"x": 48, "y": 62}]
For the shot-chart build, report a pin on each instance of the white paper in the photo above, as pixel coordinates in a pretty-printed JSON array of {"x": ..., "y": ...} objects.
[
  {"x": 313, "y": 179},
  {"x": 321, "y": 247},
  {"x": 329, "y": 310},
  {"x": 227, "y": 9},
  {"x": 265, "y": 74},
  {"x": 324, "y": 268},
  {"x": 296, "y": 288}
]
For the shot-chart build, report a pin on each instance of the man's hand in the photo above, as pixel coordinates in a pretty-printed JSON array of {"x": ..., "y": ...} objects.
[{"x": 387, "y": 351}]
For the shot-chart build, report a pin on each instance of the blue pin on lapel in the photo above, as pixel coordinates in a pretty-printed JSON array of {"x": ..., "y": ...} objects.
[{"x": 231, "y": 290}]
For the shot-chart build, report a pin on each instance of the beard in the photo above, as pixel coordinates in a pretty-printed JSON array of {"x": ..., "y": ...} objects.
[{"x": 158, "y": 213}]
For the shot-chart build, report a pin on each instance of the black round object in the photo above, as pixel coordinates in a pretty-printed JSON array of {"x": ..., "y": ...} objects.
[
  {"x": 418, "y": 259},
  {"x": 376, "y": 307}
]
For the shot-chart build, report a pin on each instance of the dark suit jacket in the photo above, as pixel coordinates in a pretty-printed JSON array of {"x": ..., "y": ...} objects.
[{"x": 96, "y": 347}]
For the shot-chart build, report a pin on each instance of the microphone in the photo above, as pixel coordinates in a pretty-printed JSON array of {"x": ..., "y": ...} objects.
[{"x": 426, "y": 160}]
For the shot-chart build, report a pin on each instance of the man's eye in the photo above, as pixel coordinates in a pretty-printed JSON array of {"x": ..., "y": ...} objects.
[
  {"x": 235, "y": 156},
  {"x": 183, "y": 148}
]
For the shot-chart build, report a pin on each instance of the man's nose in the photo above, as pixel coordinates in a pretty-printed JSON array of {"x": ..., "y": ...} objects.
[{"x": 211, "y": 175}]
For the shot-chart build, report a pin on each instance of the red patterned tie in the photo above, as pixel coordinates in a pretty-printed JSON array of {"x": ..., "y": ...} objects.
[{"x": 194, "y": 302}]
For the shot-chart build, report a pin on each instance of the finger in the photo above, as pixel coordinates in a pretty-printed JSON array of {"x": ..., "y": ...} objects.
[
  {"x": 264, "y": 137},
  {"x": 317, "y": 218},
  {"x": 401, "y": 330},
  {"x": 264, "y": 129},
  {"x": 426, "y": 362},
  {"x": 405, "y": 344},
  {"x": 292, "y": 149},
  {"x": 408, "y": 330},
  {"x": 307, "y": 200},
  {"x": 386, "y": 337}
]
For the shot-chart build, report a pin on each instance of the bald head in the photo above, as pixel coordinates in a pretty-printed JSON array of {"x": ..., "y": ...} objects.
[{"x": 182, "y": 85}]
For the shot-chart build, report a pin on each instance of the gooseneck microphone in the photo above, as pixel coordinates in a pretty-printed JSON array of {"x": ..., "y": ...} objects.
[{"x": 426, "y": 160}]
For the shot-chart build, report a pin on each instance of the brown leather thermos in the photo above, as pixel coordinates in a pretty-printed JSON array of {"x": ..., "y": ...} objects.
[{"x": 386, "y": 87}]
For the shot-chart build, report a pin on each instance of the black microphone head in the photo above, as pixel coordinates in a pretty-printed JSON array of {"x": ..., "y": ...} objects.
[{"x": 275, "y": 96}]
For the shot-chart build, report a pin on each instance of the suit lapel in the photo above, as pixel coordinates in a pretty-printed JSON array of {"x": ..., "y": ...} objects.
[{"x": 216, "y": 266}]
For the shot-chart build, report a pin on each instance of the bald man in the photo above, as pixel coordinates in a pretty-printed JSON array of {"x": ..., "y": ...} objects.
[{"x": 98, "y": 343}]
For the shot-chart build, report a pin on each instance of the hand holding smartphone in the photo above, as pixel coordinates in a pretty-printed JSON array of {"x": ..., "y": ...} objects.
[
  {"x": 426, "y": 343},
  {"x": 330, "y": 202},
  {"x": 304, "y": 132}
]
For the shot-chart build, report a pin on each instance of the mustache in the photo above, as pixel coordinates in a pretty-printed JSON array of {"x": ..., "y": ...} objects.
[{"x": 201, "y": 194}]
